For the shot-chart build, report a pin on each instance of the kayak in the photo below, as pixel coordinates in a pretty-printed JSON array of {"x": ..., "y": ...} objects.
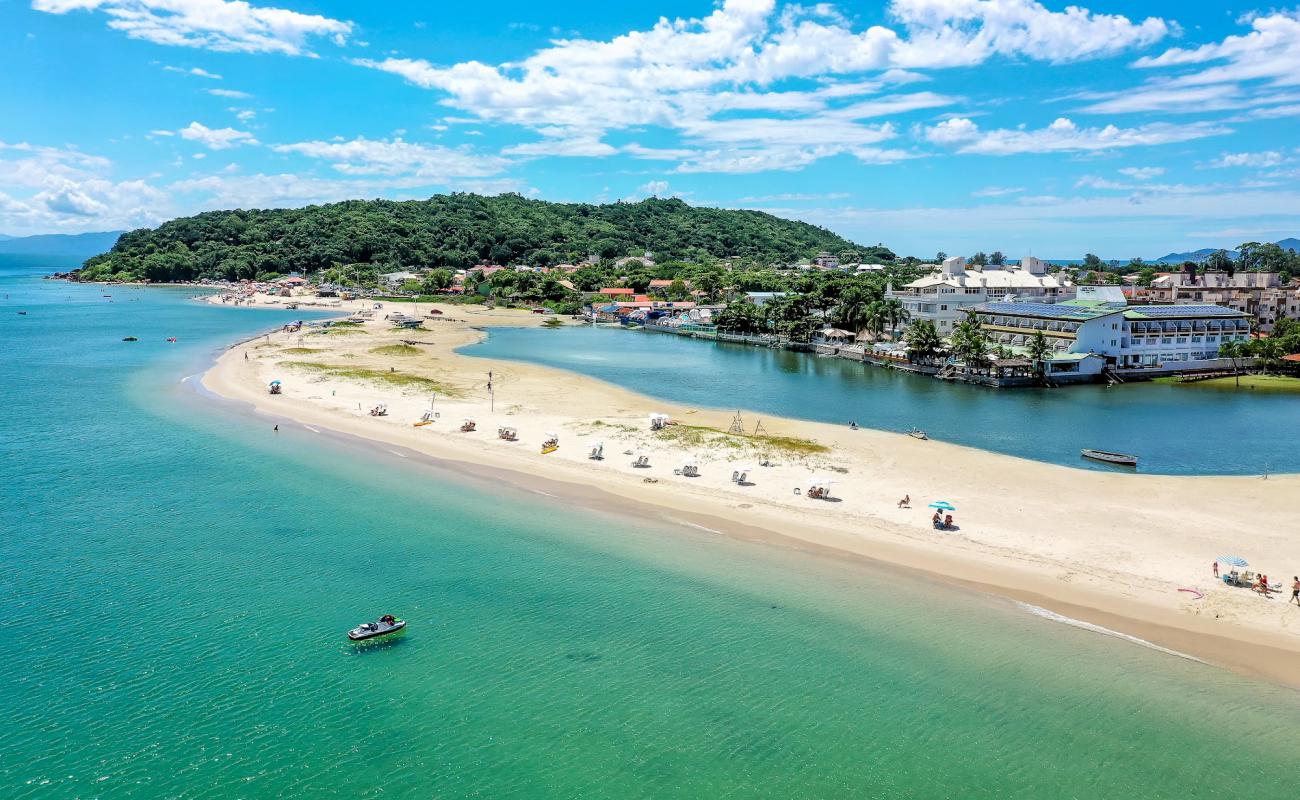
[{"x": 380, "y": 627}]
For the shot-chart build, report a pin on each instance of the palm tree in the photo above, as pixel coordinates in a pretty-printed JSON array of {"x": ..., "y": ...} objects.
[
  {"x": 968, "y": 342},
  {"x": 923, "y": 340},
  {"x": 894, "y": 314},
  {"x": 1039, "y": 349},
  {"x": 1233, "y": 350}
]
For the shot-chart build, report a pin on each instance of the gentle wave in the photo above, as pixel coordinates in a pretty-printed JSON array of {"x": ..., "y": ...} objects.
[{"x": 1039, "y": 611}]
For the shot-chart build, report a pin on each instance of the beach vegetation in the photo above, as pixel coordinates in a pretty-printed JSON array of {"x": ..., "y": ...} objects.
[
  {"x": 391, "y": 378},
  {"x": 395, "y": 350},
  {"x": 301, "y": 351}
]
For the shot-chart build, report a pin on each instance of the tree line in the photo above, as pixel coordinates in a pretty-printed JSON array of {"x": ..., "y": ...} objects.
[{"x": 363, "y": 238}]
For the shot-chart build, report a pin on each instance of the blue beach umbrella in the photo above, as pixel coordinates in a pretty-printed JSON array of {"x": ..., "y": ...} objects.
[
  {"x": 1233, "y": 561},
  {"x": 943, "y": 505}
]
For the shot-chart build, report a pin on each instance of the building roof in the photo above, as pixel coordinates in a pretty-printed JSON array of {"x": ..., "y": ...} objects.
[
  {"x": 1179, "y": 312},
  {"x": 617, "y": 290},
  {"x": 1067, "y": 311}
]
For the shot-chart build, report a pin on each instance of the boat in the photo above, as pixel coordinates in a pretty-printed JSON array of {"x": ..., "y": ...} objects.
[
  {"x": 549, "y": 448},
  {"x": 130, "y": 339},
  {"x": 385, "y": 625},
  {"x": 917, "y": 433},
  {"x": 1123, "y": 459},
  {"x": 422, "y": 423}
]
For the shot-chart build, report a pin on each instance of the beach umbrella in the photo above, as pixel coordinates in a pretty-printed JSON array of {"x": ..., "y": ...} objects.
[
  {"x": 943, "y": 505},
  {"x": 1233, "y": 561}
]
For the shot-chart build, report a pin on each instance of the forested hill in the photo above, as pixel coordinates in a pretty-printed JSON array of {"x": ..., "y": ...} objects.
[{"x": 457, "y": 230}]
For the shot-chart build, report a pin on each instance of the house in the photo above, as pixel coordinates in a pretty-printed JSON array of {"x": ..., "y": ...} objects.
[
  {"x": 394, "y": 280},
  {"x": 761, "y": 299},
  {"x": 945, "y": 296},
  {"x": 1259, "y": 294},
  {"x": 616, "y": 291},
  {"x": 1099, "y": 330}
]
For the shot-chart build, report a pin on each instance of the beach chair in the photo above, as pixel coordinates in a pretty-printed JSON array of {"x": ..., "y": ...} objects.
[{"x": 641, "y": 462}]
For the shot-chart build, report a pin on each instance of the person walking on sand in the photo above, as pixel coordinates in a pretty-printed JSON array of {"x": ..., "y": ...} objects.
[
  {"x": 1216, "y": 569},
  {"x": 1295, "y": 590}
]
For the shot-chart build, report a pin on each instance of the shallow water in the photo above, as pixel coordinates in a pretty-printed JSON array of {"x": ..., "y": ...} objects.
[
  {"x": 178, "y": 578},
  {"x": 1177, "y": 430}
]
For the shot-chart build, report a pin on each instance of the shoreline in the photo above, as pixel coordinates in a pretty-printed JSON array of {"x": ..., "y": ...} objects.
[{"x": 1083, "y": 581}]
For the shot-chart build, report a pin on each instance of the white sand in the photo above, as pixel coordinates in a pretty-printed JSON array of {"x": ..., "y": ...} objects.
[{"x": 1113, "y": 549}]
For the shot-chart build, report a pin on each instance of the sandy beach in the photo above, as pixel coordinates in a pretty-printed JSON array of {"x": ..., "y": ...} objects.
[{"x": 1114, "y": 550}]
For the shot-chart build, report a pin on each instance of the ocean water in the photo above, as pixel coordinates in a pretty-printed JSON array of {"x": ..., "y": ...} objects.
[
  {"x": 177, "y": 579},
  {"x": 1176, "y": 430}
]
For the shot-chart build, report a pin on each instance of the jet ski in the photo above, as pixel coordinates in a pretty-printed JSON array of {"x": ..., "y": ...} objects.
[{"x": 382, "y": 627}]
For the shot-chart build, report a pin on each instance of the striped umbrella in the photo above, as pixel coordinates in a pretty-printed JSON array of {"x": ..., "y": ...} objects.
[{"x": 1233, "y": 561}]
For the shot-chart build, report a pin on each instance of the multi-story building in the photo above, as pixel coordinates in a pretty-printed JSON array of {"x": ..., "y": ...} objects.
[
  {"x": 1259, "y": 294},
  {"x": 1100, "y": 331},
  {"x": 945, "y": 296}
]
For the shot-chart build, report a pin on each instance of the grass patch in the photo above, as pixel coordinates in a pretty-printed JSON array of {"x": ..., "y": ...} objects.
[
  {"x": 702, "y": 435},
  {"x": 396, "y": 350},
  {"x": 1266, "y": 383},
  {"x": 301, "y": 351},
  {"x": 398, "y": 379},
  {"x": 342, "y": 330}
]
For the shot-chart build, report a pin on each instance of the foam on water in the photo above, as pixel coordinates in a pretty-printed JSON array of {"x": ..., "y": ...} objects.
[{"x": 1039, "y": 611}]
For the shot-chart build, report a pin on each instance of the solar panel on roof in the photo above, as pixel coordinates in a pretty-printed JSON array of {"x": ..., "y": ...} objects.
[{"x": 1184, "y": 311}]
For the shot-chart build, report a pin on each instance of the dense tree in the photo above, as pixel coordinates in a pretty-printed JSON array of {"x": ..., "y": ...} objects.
[
  {"x": 997, "y": 258},
  {"x": 979, "y": 259},
  {"x": 455, "y": 231}
]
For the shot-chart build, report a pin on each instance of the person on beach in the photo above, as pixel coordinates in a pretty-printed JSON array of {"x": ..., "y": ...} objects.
[
  {"x": 906, "y": 502},
  {"x": 937, "y": 519},
  {"x": 1295, "y": 589},
  {"x": 1216, "y": 569}
]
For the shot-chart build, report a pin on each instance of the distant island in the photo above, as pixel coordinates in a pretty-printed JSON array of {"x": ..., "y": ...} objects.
[
  {"x": 1198, "y": 256},
  {"x": 455, "y": 231},
  {"x": 59, "y": 245}
]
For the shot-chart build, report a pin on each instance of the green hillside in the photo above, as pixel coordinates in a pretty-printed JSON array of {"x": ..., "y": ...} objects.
[{"x": 457, "y": 230}]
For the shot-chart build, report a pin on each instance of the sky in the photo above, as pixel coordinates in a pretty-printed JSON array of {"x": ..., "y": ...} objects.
[{"x": 1116, "y": 127}]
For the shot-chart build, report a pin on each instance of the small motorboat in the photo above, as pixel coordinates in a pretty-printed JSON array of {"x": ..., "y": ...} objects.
[
  {"x": 385, "y": 625},
  {"x": 1122, "y": 459},
  {"x": 130, "y": 339}
]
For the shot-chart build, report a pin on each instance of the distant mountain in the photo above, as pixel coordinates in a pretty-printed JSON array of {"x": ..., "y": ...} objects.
[
  {"x": 1197, "y": 256},
  {"x": 78, "y": 246}
]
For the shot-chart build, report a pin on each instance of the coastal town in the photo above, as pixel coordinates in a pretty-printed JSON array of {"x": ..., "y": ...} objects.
[{"x": 996, "y": 323}]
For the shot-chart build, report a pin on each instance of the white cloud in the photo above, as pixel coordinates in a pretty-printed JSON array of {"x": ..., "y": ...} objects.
[
  {"x": 997, "y": 191},
  {"x": 793, "y": 197},
  {"x": 232, "y": 94},
  {"x": 1062, "y": 136},
  {"x": 1242, "y": 71},
  {"x": 197, "y": 71},
  {"x": 55, "y": 189},
  {"x": 1142, "y": 173},
  {"x": 1268, "y": 158},
  {"x": 559, "y": 142},
  {"x": 216, "y": 138},
  {"x": 362, "y": 156},
  {"x": 683, "y": 74},
  {"x": 223, "y": 25}
]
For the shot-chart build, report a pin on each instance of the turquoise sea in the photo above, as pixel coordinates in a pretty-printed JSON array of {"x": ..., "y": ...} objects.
[
  {"x": 177, "y": 580},
  {"x": 1178, "y": 430}
]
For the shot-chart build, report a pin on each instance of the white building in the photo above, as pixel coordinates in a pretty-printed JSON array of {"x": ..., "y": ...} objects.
[
  {"x": 945, "y": 296},
  {"x": 1100, "y": 330},
  {"x": 394, "y": 280}
]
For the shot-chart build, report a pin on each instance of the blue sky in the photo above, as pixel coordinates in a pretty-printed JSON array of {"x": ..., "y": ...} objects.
[{"x": 1116, "y": 127}]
